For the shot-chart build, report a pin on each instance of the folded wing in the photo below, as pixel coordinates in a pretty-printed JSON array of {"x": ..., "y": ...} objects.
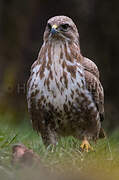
[{"x": 94, "y": 85}]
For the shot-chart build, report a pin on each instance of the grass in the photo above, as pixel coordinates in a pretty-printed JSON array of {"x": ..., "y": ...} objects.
[{"x": 66, "y": 156}]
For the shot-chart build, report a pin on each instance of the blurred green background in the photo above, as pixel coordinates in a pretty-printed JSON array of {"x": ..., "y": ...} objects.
[{"x": 22, "y": 24}]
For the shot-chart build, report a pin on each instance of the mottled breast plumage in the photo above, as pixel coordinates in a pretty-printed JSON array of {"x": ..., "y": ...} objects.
[{"x": 57, "y": 81}]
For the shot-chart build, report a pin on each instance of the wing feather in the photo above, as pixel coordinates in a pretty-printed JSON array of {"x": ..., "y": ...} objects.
[
  {"x": 95, "y": 88},
  {"x": 94, "y": 85},
  {"x": 90, "y": 66}
]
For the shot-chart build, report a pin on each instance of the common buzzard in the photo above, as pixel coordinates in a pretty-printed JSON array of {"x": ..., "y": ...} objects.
[{"x": 65, "y": 96}]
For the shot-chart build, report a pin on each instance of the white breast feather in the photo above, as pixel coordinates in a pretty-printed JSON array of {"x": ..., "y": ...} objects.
[{"x": 60, "y": 99}]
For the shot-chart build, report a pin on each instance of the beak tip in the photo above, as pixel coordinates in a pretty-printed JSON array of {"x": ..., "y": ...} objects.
[{"x": 53, "y": 31}]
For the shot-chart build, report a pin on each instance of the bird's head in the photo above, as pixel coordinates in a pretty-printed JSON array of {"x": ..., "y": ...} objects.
[{"x": 61, "y": 28}]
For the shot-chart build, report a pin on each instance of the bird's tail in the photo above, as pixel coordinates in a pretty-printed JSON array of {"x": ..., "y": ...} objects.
[{"x": 102, "y": 133}]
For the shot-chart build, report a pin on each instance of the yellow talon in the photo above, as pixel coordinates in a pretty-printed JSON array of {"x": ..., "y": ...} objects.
[{"x": 86, "y": 146}]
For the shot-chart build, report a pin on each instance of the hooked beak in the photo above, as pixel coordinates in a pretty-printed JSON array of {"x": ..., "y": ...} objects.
[{"x": 54, "y": 29}]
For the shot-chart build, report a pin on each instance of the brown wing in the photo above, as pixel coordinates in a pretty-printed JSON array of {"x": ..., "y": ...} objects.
[
  {"x": 90, "y": 66},
  {"x": 95, "y": 88},
  {"x": 93, "y": 84}
]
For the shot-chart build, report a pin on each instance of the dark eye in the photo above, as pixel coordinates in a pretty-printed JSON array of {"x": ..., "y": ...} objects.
[
  {"x": 49, "y": 26},
  {"x": 64, "y": 27}
]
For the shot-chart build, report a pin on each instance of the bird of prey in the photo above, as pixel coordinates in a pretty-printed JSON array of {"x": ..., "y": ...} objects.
[{"x": 65, "y": 96}]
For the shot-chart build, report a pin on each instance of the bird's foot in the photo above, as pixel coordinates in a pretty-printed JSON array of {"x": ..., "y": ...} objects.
[{"x": 85, "y": 146}]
